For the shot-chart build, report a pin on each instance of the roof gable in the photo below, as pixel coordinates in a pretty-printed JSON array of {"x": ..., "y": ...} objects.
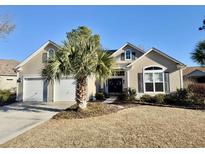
[
  {"x": 159, "y": 52},
  {"x": 189, "y": 70},
  {"x": 196, "y": 73},
  {"x": 127, "y": 44},
  {"x": 36, "y": 52}
]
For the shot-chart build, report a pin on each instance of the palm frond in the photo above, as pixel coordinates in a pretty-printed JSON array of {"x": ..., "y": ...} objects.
[{"x": 198, "y": 55}]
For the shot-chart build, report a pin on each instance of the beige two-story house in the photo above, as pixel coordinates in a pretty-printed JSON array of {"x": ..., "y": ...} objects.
[{"x": 150, "y": 72}]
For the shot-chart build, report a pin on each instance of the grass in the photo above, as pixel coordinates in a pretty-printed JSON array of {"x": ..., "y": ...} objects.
[{"x": 139, "y": 126}]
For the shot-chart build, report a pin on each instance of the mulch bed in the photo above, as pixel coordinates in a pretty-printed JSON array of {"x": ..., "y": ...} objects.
[{"x": 93, "y": 109}]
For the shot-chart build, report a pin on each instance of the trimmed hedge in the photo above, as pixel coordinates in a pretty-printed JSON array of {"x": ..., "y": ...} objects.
[
  {"x": 182, "y": 97},
  {"x": 159, "y": 98},
  {"x": 99, "y": 96},
  {"x": 147, "y": 98},
  {"x": 128, "y": 95}
]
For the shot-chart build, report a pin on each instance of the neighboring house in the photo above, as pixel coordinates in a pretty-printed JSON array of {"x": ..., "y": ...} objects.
[
  {"x": 8, "y": 77},
  {"x": 194, "y": 75},
  {"x": 150, "y": 72}
]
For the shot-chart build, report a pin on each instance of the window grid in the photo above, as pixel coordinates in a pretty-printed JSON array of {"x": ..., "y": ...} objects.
[
  {"x": 127, "y": 55},
  {"x": 154, "y": 81}
]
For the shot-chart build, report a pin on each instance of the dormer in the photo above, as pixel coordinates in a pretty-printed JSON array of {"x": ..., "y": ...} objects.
[{"x": 127, "y": 53}]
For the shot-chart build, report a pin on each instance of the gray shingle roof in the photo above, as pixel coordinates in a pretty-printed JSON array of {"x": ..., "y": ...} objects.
[
  {"x": 189, "y": 70},
  {"x": 7, "y": 67}
]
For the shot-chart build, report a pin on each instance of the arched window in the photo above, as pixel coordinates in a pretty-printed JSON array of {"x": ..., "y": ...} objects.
[
  {"x": 51, "y": 53},
  {"x": 153, "y": 79},
  {"x": 128, "y": 55}
]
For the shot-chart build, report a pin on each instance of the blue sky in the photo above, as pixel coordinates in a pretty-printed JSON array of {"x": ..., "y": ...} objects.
[{"x": 172, "y": 29}]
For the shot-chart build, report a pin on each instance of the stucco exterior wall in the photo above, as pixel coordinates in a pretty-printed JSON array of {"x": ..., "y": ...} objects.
[
  {"x": 34, "y": 67},
  {"x": 155, "y": 59},
  {"x": 91, "y": 86},
  {"x": 8, "y": 83}
]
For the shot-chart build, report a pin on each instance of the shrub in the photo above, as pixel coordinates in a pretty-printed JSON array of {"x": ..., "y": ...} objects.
[
  {"x": 132, "y": 94},
  {"x": 146, "y": 98},
  {"x": 182, "y": 94},
  {"x": 106, "y": 95},
  {"x": 99, "y": 96},
  {"x": 128, "y": 95},
  {"x": 123, "y": 96},
  {"x": 180, "y": 97},
  {"x": 6, "y": 96},
  {"x": 159, "y": 98}
]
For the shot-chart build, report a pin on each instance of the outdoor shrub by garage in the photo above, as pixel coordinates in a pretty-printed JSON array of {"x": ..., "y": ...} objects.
[{"x": 6, "y": 97}]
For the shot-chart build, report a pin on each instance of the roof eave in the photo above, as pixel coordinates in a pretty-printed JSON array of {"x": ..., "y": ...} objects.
[{"x": 35, "y": 53}]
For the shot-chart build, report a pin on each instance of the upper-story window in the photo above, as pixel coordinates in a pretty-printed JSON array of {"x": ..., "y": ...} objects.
[
  {"x": 128, "y": 55},
  {"x": 51, "y": 53}
]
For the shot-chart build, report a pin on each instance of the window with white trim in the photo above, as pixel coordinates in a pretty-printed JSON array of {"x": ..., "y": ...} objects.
[
  {"x": 118, "y": 73},
  {"x": 128, "y": 55},
  {"x": 51, "y": 53},
  {"x": 153, "y": 79}
]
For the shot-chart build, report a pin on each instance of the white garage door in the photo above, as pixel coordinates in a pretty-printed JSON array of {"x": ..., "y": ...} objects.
[
  {"x": 33, "y": 89},
  {"x": 65, "y": 90}
]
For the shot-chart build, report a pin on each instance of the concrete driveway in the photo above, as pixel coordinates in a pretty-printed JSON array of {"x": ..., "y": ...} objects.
[{"x": 17, "y": 118}]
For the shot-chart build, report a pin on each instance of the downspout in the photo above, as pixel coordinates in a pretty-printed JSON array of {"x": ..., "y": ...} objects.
[
  {"x": 180, "y": 67},
  {"x": 181, "y": 78},
  {"x": 17, "y": 87},
  {"x": 18, "y": 82}
]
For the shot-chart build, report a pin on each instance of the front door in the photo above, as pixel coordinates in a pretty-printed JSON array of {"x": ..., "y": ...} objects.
[{"x": 114, "y": 85}]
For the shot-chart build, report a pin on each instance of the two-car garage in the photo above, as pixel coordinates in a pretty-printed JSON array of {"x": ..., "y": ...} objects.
[
  {"x": 37, "y": 89},
  {"x": 64, "y": 90}
]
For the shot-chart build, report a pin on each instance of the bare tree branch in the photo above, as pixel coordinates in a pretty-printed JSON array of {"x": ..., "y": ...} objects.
[{"x": 5, "y": 26}]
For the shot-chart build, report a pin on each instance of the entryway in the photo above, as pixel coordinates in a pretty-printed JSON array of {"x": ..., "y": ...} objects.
[{"x": 115, "y": 85}]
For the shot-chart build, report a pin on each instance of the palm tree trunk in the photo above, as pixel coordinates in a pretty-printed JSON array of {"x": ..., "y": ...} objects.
[{"x": 81, "y": 92}]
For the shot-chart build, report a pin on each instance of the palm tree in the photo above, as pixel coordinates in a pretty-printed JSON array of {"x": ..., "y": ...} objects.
[
  {"x": 199, "y": 53},
  {"x": 80, "y": 56}
]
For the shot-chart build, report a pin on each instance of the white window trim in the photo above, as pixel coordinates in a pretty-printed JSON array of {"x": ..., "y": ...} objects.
[
  {"x": 154, "y": 71},
  {"x": 130, "y": 54},
  {"x": 49, "y": 52},
  {"x": 114, "y": 73}
]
